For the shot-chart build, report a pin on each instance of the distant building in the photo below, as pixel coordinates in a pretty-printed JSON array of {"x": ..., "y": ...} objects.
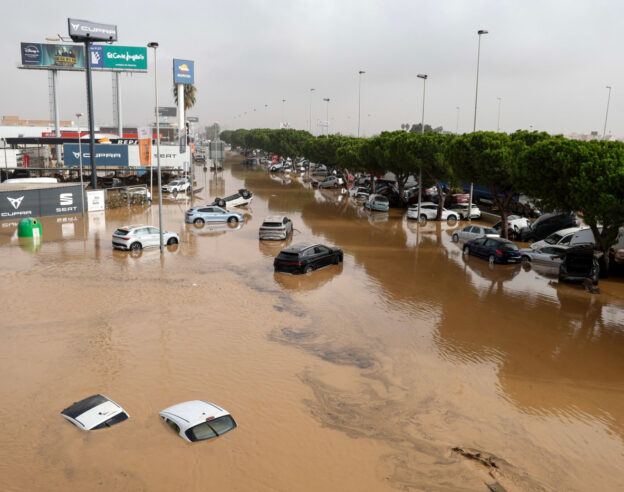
[{"x": 593, "y": 135}]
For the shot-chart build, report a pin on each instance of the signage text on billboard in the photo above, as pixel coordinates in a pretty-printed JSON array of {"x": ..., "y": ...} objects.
[
  {"x": 82, "y": 30},
  {"x": 105, "y": 155}
]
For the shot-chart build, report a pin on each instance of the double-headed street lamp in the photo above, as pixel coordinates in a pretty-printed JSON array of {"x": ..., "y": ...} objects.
[
  {"x": 154, "y": 45},
  {"x": 78, "y": 116},
  {"x": 359, "y": 98},
  {"x": 424, "y": 77},
  {"x": 282, "y": 123},
  {"x": 310, "y": 116},
  {"x": 604, "y": 131}
]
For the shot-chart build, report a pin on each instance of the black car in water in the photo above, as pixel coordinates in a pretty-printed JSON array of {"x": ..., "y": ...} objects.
[
  {"x": 579, "y": 263},
  {"x": 495, "y": 250},
  {"x": 305, "y": 257},
  {"x": 546, "y": 224}
]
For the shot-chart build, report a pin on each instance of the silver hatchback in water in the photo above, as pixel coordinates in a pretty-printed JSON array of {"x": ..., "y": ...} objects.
[
  {"x": 136, "y": 237},
  {"x": 276, "y": 227}
]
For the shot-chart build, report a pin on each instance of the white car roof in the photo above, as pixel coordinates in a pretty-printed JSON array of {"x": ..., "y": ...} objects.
[
  {"x": 134, "y": 226},
  {"x": 191, "y": 413},
  {"x": 92, "y": 411},
  {"x": 274, "y": 218},
  {"x": 569, "y": 230}
]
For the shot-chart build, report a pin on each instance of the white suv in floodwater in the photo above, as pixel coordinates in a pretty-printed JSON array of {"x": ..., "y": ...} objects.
[{"x": 136, "y": 237}]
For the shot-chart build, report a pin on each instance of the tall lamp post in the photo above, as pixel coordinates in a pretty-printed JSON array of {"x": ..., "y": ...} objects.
[
  {"x": 424, "y": 77},
  {"x": 457, "y": 122},
  {"x": 154, "y": 45},
  {"x": 78, "y": 116},
  {"x": 604, "y": 130},
  {"x": 326, "y": 99},
  {"x": 474, "y": 123},
  {"x": 499, "y": 109},
  {"x": 359, "y": 98},
  {"x": 6, "y": 163},
  {"x": 283, "y": 101},
  {"x": 310, "y": 120}
]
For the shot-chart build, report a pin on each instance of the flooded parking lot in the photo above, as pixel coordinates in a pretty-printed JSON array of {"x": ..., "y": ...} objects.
[{"x": 407, "y": 367}]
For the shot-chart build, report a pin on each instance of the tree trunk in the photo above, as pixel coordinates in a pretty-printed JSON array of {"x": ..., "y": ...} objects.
[{"x": 441, "y": 198}]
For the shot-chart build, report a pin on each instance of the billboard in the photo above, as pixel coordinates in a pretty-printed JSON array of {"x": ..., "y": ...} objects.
[
  {"x": 71, "y": 56},
  {"x": 193, "y": 119},
  {"x": 59, "y": 56},
  {"x": 183, "y": 71},
  {"x": 166, "y": 112},
  {"x": 145, "y": 145},
  {"x": 60, "y": 200},
  {"x": 82, "y": 30},
  {"x": 105, "y": 155}
]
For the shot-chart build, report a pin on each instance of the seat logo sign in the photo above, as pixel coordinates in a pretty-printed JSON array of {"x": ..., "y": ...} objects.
[
  {"x": 16, "y": 202},
  {"x": 66, "y": 202},
  {"x": 67, "y": 199}
]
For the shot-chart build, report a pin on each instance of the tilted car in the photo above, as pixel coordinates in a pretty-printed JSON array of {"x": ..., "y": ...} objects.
[
  {"x": 377, "y": 203},
  {"x": 471, "y": 232},
  {"x": 95, "y": 412},
  {"x": 240, "y": 199},
  {"x": 275, "y": 227},
  {"x": 136, "y": 237},
  {"x": 559, "y": 238},
  {"x": 306, "y": 257},
  {"x": 495, "y": 250},
  {"x": 331, "y": 182},
  {"x": 359, "y": 192},
  {"x": 546, "y": 224},
  {"x": 579, "y": 263},
  {"x": 211, "y": 213},
  {"x": 515, "y": 223},
  {"x": 429, "y": 211},
  {"x": 462, "y": 210},
  {"x": 198, "y": 420}
]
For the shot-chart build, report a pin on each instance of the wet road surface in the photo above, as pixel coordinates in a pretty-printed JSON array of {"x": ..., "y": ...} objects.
[{"x": 363, "y": 376}]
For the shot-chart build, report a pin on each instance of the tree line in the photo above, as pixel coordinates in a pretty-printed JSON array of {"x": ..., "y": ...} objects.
[{"x": 560, "y": 174}]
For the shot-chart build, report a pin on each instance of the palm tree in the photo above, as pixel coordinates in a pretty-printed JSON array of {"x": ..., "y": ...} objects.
[{"x": 189, "y": 95}]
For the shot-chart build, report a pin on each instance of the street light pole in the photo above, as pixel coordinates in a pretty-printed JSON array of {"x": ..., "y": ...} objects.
[
  {"x": 604, "y": 131},
  {"x": 78, "y": 116},
  {"x": 457, "y": 122},
  {"x": 422, "y": 76},
  {"x": 474, "y": 123},
  {"x": 310, "y": 120},
  {"x": 359, "y": 99},
  {"x": 283, "y": 101},
  {"x": 499, "y": 109},
  {"x": 6, "y": 163},
  {"x": 327, "y": 115},
  {"x": 154, "y": 45}
]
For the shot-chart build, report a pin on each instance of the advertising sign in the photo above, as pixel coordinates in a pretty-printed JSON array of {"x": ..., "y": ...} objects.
[
  {"x": 183, "y": 71},
  {"x": 40, "y": 203},
  {"x": 82, "y": 30},
  {"x": 193, "y": 119},
  {"x": 182, "y": 144},
  {"x": 59, "y": 56},
  {"x": 105, "y": 155},
  {"x": 167, "y": 112},
  {"x": 170, "y": 156},
  {"x": 125, "y": 57},
  {"x": 95, "y": 201},
  {"x": 145, "y": 145}
]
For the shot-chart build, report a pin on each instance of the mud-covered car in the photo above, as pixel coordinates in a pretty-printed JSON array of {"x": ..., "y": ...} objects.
[
  {"x": 211, "y": 213},
  {"x": 136, "y": 237},
  {"x": 198, "y": 420},
  {"x": 306, "y": 257},
  {"x": 95, "y": 412},
  {"x": 276, "y": 227}
]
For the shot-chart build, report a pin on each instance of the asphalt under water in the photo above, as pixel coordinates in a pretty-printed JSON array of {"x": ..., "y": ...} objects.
[{"x": 408, "y": 367}]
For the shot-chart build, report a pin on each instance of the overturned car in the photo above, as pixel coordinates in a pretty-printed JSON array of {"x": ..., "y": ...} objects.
[{"x": 240, "y": 199}]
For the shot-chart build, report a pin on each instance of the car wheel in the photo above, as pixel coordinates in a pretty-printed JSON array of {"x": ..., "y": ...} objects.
[
  {"x": 336, "y": 259},
  {"x": 307, "y": 269},
  {"x": 198, "y": 222},
  {"x": 335, "y": 185},
  {"x": 233, "y": 220},
  {"x": 423, "y": 218},
  {"x": 171, "y": 241},
  {"x": 466, "y": 250},
  {"x": 492, "y": 259},
  {"x": 455, "y": 238},
  {"x": 135, "y": 246},
  {"x": 526, "y": 260},
  {"x": 452, "y": 218}
]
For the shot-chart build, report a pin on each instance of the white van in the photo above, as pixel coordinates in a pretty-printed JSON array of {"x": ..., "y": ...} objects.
[{"x": 559, "y": 238}]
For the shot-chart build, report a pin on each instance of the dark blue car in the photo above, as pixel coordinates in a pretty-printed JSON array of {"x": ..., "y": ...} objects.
[{"x": 495, "y": 250}]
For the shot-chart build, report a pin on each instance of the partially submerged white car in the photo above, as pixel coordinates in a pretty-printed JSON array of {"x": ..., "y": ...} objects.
[
  {"x": 198, "y": 420},
  {"x": 95, "y": 412}
]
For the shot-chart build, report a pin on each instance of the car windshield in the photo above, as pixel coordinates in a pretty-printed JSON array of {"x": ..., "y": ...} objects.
[
  {"x": 271, "y": 224},
  {"x": 514, "y": 217},
  {"x": 489, "y": 230},
  {"x": 212, "y": 428},
  {"x": 553, "y": 238},
  {"x": 121, "y": 232},
  {"x": 509, "y": 247},
  {"x": 174, "y": 183},
  {"x": 381, "y": 199}
]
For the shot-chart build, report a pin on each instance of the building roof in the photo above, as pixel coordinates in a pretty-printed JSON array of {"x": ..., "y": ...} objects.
[{"x": 34, "y": 186}]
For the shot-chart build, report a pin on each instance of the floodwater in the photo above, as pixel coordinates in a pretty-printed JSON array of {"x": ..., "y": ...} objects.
[{"x": 408, "y": 367}]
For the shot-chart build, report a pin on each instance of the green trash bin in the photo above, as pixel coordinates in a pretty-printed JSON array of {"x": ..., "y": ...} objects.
[{"x": 29, "y": 228}]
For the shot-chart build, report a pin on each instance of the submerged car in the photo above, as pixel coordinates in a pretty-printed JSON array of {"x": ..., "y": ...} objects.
[
  {"x": 429, "y": 211},
  {"x": 198, "y": 420},
  {"x": 496, "y": 250},
  {"x": 177, "y": 186},
  {"x": 377, "y": 203},
  {"x": 559, "y": 238},
  {"x": 546, "y": 224},
  {"x": 515, "y": 224},
  {"x": 331, "y": 182},
  {"x": 136, "y": 237},
  {"x": 550, "y": 255},
  {"x": 95, "y": 412},
  {"x": 579, "y": 263},
  {"x": 462, "y": 210},
  {"x": 240, "y": 199},
  {"x": 275, "y": 227},
  {"x": 306, "y": 257},
  {"x": 211, "y": 213},
  {"x": 469, "y": 233}
]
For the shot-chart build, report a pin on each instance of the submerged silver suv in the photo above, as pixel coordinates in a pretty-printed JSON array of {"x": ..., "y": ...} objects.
[
  {"x": 136, "y": 237},
  {"x": 276, "y": 227}
]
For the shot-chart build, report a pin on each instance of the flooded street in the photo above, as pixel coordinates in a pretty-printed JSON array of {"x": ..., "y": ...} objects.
[{"x": 391, "y": 371}]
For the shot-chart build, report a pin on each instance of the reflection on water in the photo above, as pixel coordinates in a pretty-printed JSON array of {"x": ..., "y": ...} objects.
[{"x": 371, "y": 370}]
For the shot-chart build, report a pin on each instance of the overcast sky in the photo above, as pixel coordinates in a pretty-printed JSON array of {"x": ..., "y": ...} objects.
[{"x": 548, "y": 61}]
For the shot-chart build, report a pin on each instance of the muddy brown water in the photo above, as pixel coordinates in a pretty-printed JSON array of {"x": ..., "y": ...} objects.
[{"x": 364, "y": 376}]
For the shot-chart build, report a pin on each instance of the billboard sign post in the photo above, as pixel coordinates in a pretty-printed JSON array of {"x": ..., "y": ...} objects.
[
  {"x": 183, "y": 71},
  {"x": 167, "y": 112},
  {"x": 86, "y": 31}
]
